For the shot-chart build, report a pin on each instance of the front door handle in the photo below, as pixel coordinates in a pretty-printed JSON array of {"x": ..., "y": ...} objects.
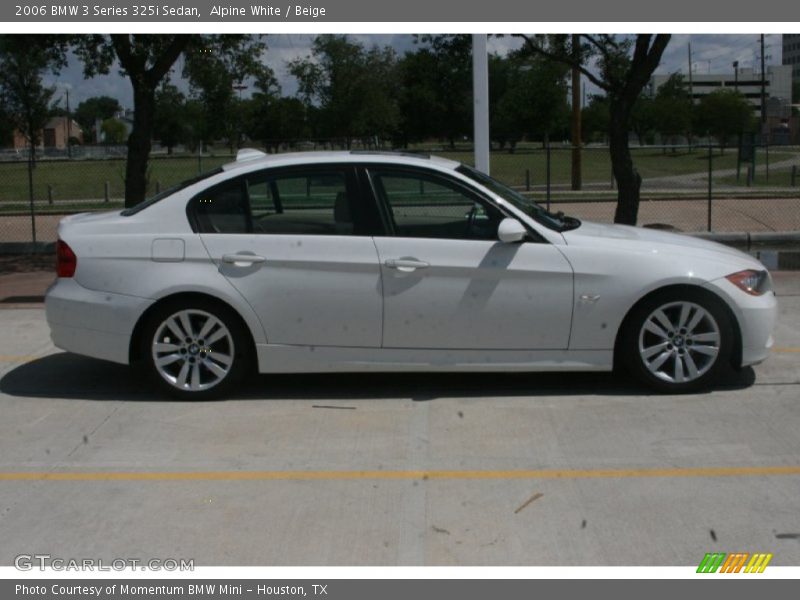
[
  {"x": 242, "y": 259},
  {"x": 406, "y": 265}
]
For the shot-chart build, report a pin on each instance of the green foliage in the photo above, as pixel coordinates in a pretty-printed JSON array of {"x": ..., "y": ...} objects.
[
  {"x": 97, "y": 107},
  {"x": 170, "y": 126},
  {"x": 24, "y": 97},
  {"x": 595, "y": 117},
  {"x": 349, "y": 90},
  {"x": 114, "y": 131},
  {"x": 673, "y": 109},
  {"x": 723, "y": 114},
  {"x": 533, "y": 100}
]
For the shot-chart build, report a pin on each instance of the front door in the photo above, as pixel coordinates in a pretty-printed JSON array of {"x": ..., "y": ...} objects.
[{"x": 449, "y": 283}]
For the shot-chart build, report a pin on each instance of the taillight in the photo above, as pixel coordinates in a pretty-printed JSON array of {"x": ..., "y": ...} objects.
[{"x": 66, "y": 261}]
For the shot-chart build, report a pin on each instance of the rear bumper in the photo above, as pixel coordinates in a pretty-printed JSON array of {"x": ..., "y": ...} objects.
[{"x": 92, "y": 323}]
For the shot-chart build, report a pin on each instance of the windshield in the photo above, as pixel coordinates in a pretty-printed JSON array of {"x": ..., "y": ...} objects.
[
  {"x": 168, "y": 192},
  {"x": 558, "y": 221}
]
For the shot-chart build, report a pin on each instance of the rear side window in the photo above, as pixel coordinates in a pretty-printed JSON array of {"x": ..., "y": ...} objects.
[
  {"x": 311, "y": 202},
  {"x": 222, "y": 209},
  {"x": 314, "y": 200}
]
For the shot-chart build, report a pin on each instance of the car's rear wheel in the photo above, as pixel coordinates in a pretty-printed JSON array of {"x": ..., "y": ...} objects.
[
  {"x": 679, "y": 341},
  {"x": 194, "y": 350}
]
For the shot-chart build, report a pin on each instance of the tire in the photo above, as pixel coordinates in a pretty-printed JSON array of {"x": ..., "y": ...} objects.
[
  {"x": 678, "y": 341},
  {"x": 203, "y": 363}
]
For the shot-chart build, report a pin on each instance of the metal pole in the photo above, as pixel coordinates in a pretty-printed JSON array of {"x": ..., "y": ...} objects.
[
  {"x": 576, "y": 115},
  {"x": 480, "y": 96},
  {"x": 763, "y": 88},
  {"x": 710, "y": 170},
  {"x": 30, "y": 195},
  {"x": 69, "y": 129},
  {"x": 766, "y": 161},
  {"x": 794, "y": 175},
  {"x": 548, "y": 174}
]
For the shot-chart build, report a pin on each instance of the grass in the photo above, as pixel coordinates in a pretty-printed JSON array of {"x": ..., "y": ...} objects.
[
  {"x": 781, "y": 177},
  {"x": 84, "y": 180}
]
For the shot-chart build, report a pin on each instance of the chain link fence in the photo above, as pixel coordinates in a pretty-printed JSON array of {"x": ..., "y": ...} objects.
[{"x": 700, "y": 188}]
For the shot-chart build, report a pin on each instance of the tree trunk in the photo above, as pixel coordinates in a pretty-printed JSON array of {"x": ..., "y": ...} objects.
[
  {"x": 628, "y": 179},
  {"x": 139, "y": 143}
]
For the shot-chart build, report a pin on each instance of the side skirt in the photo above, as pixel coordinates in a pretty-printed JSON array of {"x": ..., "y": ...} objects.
[{"x": 273, "y": 358}]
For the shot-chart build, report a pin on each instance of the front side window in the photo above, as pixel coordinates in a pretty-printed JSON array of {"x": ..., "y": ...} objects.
[{"x": 427, "y": 205}]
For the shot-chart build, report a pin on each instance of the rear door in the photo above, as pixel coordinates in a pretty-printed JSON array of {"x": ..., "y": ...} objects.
[
  {"x": 449, "y": 283},
  {"x": 296, "y": 243}
]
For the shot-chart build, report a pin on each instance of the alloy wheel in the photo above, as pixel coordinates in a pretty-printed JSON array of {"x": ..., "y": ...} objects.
[
  {"x": 193, "y": 350},
  {"x": 679, "y": 342}
]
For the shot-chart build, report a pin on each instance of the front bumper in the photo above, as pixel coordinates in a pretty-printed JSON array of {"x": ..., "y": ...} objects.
[
  {"x": 756, "y": 316},
  {"x": 92, "y": 323}
]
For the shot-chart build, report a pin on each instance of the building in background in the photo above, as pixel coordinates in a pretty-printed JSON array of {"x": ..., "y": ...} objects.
[
  {"x": 791, "y": 56},
  {"x": 55, "y": 134},
  {"x": 781, "y": 127},
  {"x": 778, "y": 86}
]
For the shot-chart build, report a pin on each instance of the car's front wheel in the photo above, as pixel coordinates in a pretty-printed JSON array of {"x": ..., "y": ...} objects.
[
  {"x": 194, "y": 350},
  {"x": 678, "y": 341}
]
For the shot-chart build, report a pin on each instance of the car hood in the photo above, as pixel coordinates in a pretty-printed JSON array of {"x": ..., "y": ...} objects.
[{"x": 624, "y": 235}]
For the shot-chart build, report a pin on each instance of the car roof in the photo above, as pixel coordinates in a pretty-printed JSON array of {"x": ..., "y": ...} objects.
[{"x": 253, "y": 159}]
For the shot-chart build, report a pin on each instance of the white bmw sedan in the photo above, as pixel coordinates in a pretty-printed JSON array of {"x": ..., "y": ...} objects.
[{"x": 347, "y": 261}]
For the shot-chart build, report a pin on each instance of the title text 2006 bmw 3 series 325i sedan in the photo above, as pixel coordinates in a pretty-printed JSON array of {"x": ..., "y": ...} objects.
[{"x": 320, "y": 262}]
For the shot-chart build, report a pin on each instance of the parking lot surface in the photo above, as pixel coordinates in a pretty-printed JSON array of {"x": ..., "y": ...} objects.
[{"x": 489, "y": 469}]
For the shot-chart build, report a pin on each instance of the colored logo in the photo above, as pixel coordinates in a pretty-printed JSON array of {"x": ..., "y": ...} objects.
[{"x": 734, "y": 563}]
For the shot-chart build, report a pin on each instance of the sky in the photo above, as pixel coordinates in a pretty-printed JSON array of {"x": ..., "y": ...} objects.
[{"x": 710, "y": 53}]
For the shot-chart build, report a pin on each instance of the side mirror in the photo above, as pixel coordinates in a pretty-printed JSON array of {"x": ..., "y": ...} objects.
[{"x": 511, "y": 231}]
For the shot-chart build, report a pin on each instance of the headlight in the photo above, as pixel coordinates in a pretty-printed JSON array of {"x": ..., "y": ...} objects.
[{"x": 755, "y": 283}]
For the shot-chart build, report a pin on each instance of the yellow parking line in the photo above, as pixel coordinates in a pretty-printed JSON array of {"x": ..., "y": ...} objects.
[
  {"x": 18, "y": 357},
  {"x": 355, "y": 475},
  {"x": 781, "y": 349}
]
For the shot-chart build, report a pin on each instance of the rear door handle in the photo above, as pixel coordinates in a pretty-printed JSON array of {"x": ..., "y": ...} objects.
[
  {"x": 406, "y": 265},
  {"x": 242, "y": 259}
]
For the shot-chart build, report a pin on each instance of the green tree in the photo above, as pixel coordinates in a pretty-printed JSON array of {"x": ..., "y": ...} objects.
[
  {"x": 724, "y": 113},
  {"x": 420, "y": 103},
  {"x": 170, "y": 125},
  {"x": 673, "y": 109},
  {"x": 88, "y": 112},
  {"x": 623, "y": 66},
  {"x": 534, "y": 98},
  {"x": 354, "y": 90},
  {"x": 24, "y": 60},
  {"x": 595, "y": 118},
  {"x": 114, "y": 131},
  {"x": 450, "y": 81},
  {"x": 147, "y": 59},
  {"x": 643, "y": 121}
]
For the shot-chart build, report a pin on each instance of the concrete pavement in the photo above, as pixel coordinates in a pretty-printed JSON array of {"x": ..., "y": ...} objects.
[{"x": 397, "y": 469}]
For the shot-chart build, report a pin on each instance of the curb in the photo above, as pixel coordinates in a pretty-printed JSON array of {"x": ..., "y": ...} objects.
[{"x": 761, "y": 240}]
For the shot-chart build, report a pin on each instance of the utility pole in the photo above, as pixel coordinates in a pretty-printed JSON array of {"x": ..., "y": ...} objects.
[
  {"x": 69, "y": 128},
  {"x": 576, "y": 113},
  {"x": 480, "y": 93},
  {"x": 763, "y": 89},
  {"x": 691, "y": 92}
]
